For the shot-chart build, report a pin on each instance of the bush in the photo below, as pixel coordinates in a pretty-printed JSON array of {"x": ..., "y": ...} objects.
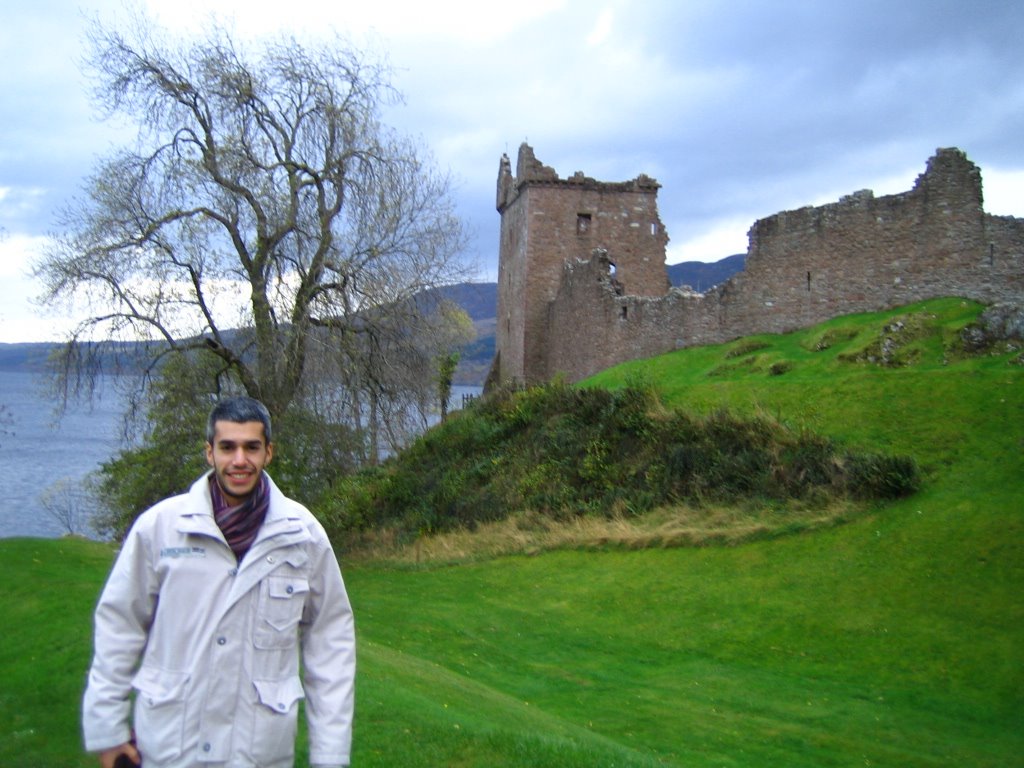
[
  {"x": 563, "y": 451},
  {"x": 168, "y": 453},
  {"x": 883, "y": 477}
]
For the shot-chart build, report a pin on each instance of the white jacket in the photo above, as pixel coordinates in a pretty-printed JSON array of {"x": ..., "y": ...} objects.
[{"x": 211, "y": 648}]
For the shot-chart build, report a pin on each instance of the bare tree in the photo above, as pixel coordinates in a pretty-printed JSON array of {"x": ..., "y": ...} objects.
[
  {"x": 265, "y": 214},
  {"x": 69, "y": 503},
  {"x": 391, "y": 375}
]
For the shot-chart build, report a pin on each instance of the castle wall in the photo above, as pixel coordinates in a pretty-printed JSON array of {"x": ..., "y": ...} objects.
[
  {"x": 513, "y": 287},
  {"x": 606, "y": 325},
  {"x": 803, "y": 267},
  {"x": 864, "y": 253},
  {"x": 546, "y": 222},
  {"x": 1005, "y": 235}
]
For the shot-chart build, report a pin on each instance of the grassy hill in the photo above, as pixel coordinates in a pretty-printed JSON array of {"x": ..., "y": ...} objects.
[{"x": 895, "y": 639}]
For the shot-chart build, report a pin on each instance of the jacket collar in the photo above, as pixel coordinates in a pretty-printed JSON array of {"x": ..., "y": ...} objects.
[{"x": 197, "y": 516}]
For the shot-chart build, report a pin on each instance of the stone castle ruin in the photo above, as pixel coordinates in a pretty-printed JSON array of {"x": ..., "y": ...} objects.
[{"x": 582, "y": 282}]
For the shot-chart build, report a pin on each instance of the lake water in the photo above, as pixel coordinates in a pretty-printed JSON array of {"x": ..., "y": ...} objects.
[{"x": 39, "y": 452}]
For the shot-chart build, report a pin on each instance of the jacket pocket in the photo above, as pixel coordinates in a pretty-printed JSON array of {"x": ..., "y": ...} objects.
[
  {"x": 282, "y": 599},
  {"x": 160, "y": 712},
  {"x": 275, "y": 719}
]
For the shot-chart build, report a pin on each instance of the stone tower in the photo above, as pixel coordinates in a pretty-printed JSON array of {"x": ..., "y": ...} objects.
[{"x": 547, "y": 222}]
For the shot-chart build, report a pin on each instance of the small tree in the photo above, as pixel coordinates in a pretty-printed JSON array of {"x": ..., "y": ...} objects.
[
  {"x": 164, "y": 436},
  {"x": 166, "y": 432},
  {"x": 445, "y": 374},
  {"x": 67, "y": 502},
  {"x": 392, "y": 376}
]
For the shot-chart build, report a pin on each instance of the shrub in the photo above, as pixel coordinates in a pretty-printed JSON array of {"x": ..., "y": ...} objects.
[
  {"x": 882, "y": 477},
  {"x": 562, "y": 452},
  {"x": 746, "y": 347},
  {"x": 167, "y": 454}
]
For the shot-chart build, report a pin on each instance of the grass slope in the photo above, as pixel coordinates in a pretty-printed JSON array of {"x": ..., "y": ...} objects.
[
  {"x": 49, "y": 589},
  {"x": 894, "y": 640}
]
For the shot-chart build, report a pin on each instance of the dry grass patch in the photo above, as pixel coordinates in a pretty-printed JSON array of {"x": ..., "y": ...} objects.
[{"x": 531, "y": 533}]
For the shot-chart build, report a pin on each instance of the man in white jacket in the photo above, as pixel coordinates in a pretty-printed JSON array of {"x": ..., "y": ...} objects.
[{"x": 213, "y": 599}]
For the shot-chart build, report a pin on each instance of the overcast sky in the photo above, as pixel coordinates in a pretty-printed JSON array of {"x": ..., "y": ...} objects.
[{"x": 739, "y": 109}]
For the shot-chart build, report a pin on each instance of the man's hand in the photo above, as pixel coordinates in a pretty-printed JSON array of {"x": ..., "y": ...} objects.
[{"x": 108, "y": 757}]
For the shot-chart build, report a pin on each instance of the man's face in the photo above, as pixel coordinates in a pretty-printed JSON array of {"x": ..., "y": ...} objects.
[{"x": 238, "y": 455}]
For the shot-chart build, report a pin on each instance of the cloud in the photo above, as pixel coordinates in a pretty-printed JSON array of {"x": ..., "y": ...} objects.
[
  {"x": 1002, "y": 191},
  {"x": 400, "y": 20},
  {"x": 740, "y": 110},
  {"x": 20, "y": 319},
  {"x": 711, "y": 241},
  {"x": 602, "y": 28}
]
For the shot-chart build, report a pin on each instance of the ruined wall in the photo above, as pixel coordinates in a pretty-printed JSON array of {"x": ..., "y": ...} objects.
[
  {"x": 606, "y": 326},
  {"x": 803, "y": 267},
  {"x": 865, "y": 253},
  {"x": 546, "y": 222},
  {"x": 1004, "y": 260},
  {"x": 510, "y": 323}
]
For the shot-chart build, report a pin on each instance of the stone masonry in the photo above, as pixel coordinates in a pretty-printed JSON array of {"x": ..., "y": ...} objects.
[
  {"x": 582, "y": 283},
  {"x": 547, "y": 222}
]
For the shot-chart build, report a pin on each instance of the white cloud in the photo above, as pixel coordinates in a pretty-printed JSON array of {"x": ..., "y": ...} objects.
[
  {"x": 602, "y": 28},
  {"x": 739, "y": 111},
  {"x": 452, "y": 20},
  {"x": 17, "y": 252},
  {"x": 1004, "y": 191},
  {"x": 20, "y": 319},
  {"x": 722, "y": 238},
  {"x": 19, "y": 204}
]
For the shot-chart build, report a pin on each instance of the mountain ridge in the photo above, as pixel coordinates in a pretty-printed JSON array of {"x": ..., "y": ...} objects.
[{"x": 478, "y": 300}]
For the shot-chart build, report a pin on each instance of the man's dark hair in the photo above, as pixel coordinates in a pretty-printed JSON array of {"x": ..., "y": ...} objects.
[{"x": 238, "y": 410}]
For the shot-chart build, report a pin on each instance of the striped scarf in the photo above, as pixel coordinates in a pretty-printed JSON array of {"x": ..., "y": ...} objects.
[{"x": 240, "y": 524}]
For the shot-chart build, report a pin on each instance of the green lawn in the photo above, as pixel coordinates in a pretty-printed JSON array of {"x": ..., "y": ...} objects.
[{"x": 896, "y": 639}]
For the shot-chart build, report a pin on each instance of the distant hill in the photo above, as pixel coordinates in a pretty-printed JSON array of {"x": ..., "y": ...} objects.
[
  {"x": 702, "y": 276},
  {"x": 24, "y": 357},
  {"x": 478, "y": 300}
]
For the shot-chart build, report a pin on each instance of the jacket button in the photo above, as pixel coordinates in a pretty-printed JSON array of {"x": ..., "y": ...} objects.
[
  {"x": 290, "y": 589},
  {"x": 221, "y": 640},
  {"x": 207, "y": 747},
  {"x": 270, "y": 558},
  {"x": 281, "y": 706}
]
